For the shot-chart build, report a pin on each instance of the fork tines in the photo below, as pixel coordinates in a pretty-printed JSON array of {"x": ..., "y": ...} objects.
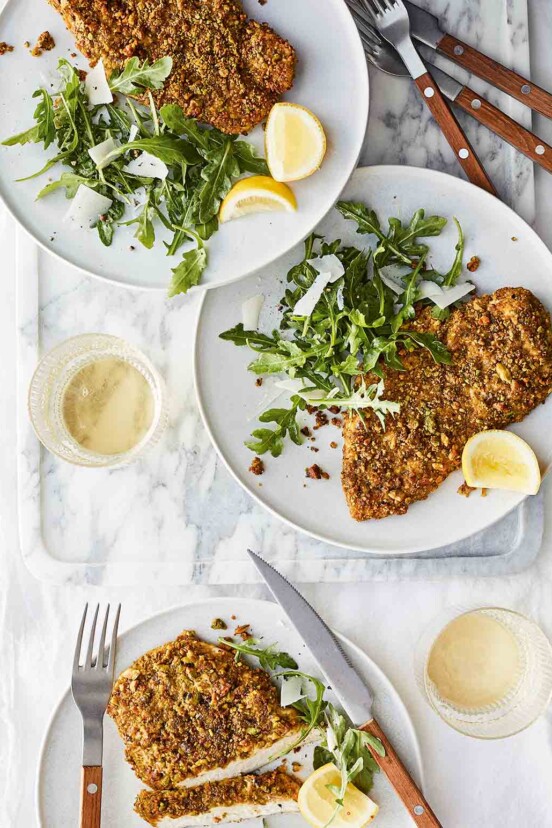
[{"x": 102, "y": 657}]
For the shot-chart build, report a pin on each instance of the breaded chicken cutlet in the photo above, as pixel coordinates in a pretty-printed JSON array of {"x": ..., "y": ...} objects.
[
  {"x": 501, "y": 349},
  {"x": 227, "y": 70},
  {"x": 188, "y": 713},
  {"x": 230, "y": 800}
]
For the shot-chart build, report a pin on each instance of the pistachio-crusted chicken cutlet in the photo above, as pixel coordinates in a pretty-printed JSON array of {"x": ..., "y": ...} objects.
[
  {"x": 501, "y": 349},
  {"x": 227, "y": 70},
  {"x": 189, "y": 713},
  {"x": 229, "y": 800}
]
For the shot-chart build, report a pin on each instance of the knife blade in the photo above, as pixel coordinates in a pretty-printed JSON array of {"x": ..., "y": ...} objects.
[
  {"x": 353, "y": 694},
  {"x": 427, "y": 28},
  {"x": 350, "y": 689}
]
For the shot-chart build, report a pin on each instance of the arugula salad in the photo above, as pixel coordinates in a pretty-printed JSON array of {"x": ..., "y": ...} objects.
[
  {"x": 132, "y": 164},
  {"x": 344, "y": 745},
  {"x": 342, "y": 317}
]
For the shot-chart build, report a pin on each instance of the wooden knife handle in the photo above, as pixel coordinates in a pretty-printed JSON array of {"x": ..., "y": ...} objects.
[
  {"x": 391, "y": 765},
  {"x": 91, "y": 797},
  {"x": 453, "y": 133},
  {"x": 506, "y": 79},
  {"x": 504, "y": 126}
]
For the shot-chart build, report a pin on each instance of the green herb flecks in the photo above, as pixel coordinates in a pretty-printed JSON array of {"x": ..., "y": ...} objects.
[{"x": 202, "y": 162}]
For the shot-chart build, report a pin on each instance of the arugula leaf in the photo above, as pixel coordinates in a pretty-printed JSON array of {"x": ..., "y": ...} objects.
[
  {"x": 248, "y": 159},
  {"x": 219, "y": 174},
  {"x": 145, "y": 232},
  {"x": 272, "y": 440},
  {"x": 70, "y": 181},
  {"x": 174, "y": 119},
  {"x": 239, "y": 336},
  {"x": 451, "y": 277},
  {"x": 269, "y": 657},
  {"x": 188, "y": 273},
  {"x": 165, "y": 147},
  {"x": 106, "y": 226},
  {"x": 136, "y": 76}
]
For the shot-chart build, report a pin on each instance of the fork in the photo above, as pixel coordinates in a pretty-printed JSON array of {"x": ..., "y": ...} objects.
[
  {"x": 391, "y": 20},
  {"x": 91, "y": 685},
  {"x": 382, "y": 55}
]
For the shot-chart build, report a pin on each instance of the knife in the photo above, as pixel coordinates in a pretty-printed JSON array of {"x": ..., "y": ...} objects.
[
  {"x": 426, "y": 27},
  {"x": 351, "y": 691}
]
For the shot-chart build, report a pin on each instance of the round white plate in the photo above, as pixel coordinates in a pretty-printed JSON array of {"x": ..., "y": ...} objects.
[
  {"x": 59, "y": 774},
  {"x": 230, "y": 401},
  {"x": 332, "y": 80}
]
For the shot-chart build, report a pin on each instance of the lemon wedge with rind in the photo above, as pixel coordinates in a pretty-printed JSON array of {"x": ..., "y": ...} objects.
[
  {"x": 257, "y": 194},
  {"x": 295, "y": 142},
  {"x": 317, "y": 802},
  {"x": 501, "y": 460}
]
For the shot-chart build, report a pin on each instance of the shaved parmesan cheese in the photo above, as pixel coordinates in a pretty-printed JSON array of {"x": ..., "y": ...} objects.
[
  {"x": 339, "y": 298},
  {"x": 97, "y": 87},
  {"x": 101, "y": 114},
  {"x": 99, "y": 153},
  {"x": 427, "y": 290},
  {"x": 328, "y": 264},
  {"x": 87, "y": 207},
  {"x": 251, "y": 310},
  {"x": 133, "y": 132},
  {"x": 296, "y": 386},
  {"x": 390, "y": 276},
  {"x": 291, "y": 691},
  {"x": 443, "y": 296},
  {"x": 452, "y": 294},
  {"x": 147, "y": 166}
]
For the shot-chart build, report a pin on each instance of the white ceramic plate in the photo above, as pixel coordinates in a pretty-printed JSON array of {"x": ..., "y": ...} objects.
[
  {"x": 58, "y": 784},
  {"x": 332, "y": 80},
  {"x": 229, "y": 399}
]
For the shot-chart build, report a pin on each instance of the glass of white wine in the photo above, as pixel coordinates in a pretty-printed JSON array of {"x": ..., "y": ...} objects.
[
  {"x": 487, "y": 672},
  {"x": 96, "y": 400}
]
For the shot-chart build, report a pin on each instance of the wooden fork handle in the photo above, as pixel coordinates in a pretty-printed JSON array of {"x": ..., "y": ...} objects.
[
  {"x": 453, "y": 133},
  {"x": 506, "y": 79},
  {"x": 504, "y": 126},
  {"x": 91, "y": 797},
  {"x": 404, "y": 785}
]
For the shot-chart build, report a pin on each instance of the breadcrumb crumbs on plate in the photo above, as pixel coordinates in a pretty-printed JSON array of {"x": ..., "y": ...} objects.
[
  {"x": 44, "y": 43},
  {"x": 473, "y": 264},
  {"x": 257, "y": 466},
  {"x": 5, "y": 48}
]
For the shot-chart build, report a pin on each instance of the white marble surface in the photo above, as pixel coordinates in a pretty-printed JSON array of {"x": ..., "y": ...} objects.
[{"x": 470, "y": 783}]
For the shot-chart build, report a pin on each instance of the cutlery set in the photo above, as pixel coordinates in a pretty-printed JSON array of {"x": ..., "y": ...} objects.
[{"x": 387, "y": 29}]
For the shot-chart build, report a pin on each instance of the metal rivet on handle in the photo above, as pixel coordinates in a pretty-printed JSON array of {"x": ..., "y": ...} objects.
[
  {"x": 526, "y": 89},
  {"x": 539, "y": 149},
  {"x": 429, "y": 92},
  {"x": 476, "y": 103},
  {"x": 458, "y": 50},
  {"x": 419, "y": 810},
  {"x": 92, "y": 788},
  {"x": 463, "y": 153}
]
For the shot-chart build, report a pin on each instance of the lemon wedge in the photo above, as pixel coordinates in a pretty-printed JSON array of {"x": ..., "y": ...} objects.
[
  {"x": 317, "y": 803},
  {"x": 295, "y": 142},
  {"x": 256, "y": 194},
  {"x": 500, "y": 460}
]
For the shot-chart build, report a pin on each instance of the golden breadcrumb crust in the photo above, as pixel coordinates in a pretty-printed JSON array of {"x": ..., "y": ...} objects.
[
  {"x": 188, "y": 707},
  {"x": 273, "y": 787},
  {"x": 227, "y": 70},
  {"x": 501, "y": 348}
]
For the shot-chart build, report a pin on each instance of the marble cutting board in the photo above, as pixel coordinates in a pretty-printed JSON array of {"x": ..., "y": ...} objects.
[{"x": 177, "y": 517}]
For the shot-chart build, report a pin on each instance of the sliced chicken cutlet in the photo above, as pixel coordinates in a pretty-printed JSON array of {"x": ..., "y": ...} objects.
[
  {"x": 227, "y": 70},
  {"x": 501, "y": 349},
  {"x": 230, "y": 800},
  {"x": 189, "y": 713}
]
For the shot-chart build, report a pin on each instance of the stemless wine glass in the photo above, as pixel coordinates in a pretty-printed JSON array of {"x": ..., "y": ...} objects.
[
  {"x": 525, "y": 700},
  {"x": 51, "y": 379}
]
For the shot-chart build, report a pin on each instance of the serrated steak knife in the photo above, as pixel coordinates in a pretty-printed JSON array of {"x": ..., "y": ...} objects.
[{"x": 353, "y": 694}]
